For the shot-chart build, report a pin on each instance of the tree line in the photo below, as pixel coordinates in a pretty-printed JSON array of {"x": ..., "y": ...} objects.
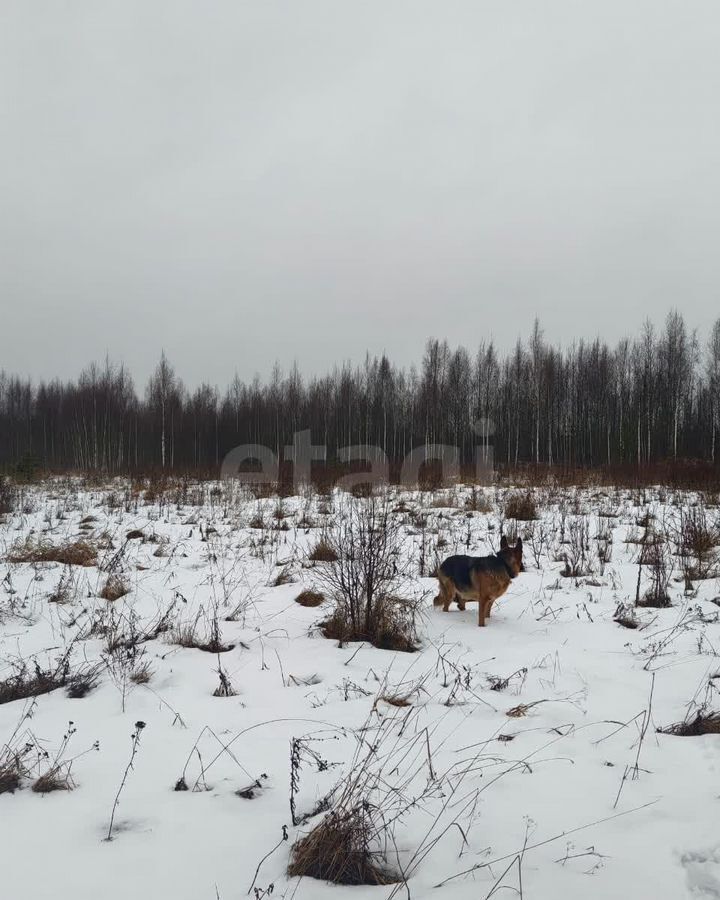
[{"x": 651, "y": 398}]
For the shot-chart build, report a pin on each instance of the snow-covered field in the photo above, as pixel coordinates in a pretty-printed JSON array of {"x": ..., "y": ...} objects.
[{"x": 574, "y": 794}]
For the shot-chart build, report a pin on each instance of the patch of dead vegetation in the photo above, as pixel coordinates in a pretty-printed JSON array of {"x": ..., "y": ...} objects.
[
  {"x": 338, "y": 850},
  {"x": 520, "y": 507},
  {"x": 703, "y": 723},
  {"x": 114, "y": 588},
  {"x": 310, "y": 598},
  {"x": 75, "y": 553},
  {"x": 322, "y": 552},
  {"x": 390, "y": 626},
  {"x": 28, "y": 682}
]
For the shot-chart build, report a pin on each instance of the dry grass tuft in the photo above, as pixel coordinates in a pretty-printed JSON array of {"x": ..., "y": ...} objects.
[
  {"x": 322, "y": 552},
  {"x": 391, "y": 625},
  {"x": 23, "y": 683},
  {"x": 76, "y": 553},
  {"x": 56, "y": 779},
  {"x": 284, "y": 576},
  {"x": 225, "y": 688},
  {"x": 114, "y": 588},
  {"x": 81, "y": 684},
  {"x": 141, "y": 673},
  {"x": 338, "y": 850},
  {"x": 310, "y": 598},
  {"x": 10, "y": 777},
  {"x": 703, "y": 723},
  {"x": 188, "y": 636}
]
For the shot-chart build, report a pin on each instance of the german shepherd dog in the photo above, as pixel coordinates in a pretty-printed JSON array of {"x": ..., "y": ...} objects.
[{"x": 480, "y": 578}]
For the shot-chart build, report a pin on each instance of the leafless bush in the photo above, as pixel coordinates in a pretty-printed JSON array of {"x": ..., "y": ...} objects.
[
  {"x": 655, "y": 555},
  {"x": 604, "y": 542},
  {"x": 477, "y": 501},
  {"x": 577, "y": 555},
  {"x": 537, "y": 537},
  {"x": 520, "y": 507},
  {"x": 364, "y": 576},
  {"x": 697, "y": 543},
  {"x": 7, "y": 496}
]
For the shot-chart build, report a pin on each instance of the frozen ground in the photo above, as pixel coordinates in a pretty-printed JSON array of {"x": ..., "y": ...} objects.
[{"x": 603, "y": 804}]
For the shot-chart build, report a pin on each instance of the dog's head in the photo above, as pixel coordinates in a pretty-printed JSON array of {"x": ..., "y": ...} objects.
[{"x": 512, "y": 555}]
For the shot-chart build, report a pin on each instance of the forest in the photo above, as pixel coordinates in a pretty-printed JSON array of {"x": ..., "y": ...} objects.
[{"x": 651, "y": 398}]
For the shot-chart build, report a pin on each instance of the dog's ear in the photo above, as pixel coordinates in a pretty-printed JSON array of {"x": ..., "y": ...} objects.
[
  {"x": 503, "y": 543},
  {"x": 518, "y": 544}
]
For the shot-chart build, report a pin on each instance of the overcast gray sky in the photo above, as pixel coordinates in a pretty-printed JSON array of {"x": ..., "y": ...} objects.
[{"x": 240, "y": 182}]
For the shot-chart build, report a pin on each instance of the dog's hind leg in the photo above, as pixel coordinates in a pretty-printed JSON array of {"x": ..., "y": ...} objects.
[
  {"x": 484, "y": 605},
  {"x": 446, "y": 594}
]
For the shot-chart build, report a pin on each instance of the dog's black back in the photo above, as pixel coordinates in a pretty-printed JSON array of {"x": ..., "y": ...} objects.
[{"x": 460, "y": 568}]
